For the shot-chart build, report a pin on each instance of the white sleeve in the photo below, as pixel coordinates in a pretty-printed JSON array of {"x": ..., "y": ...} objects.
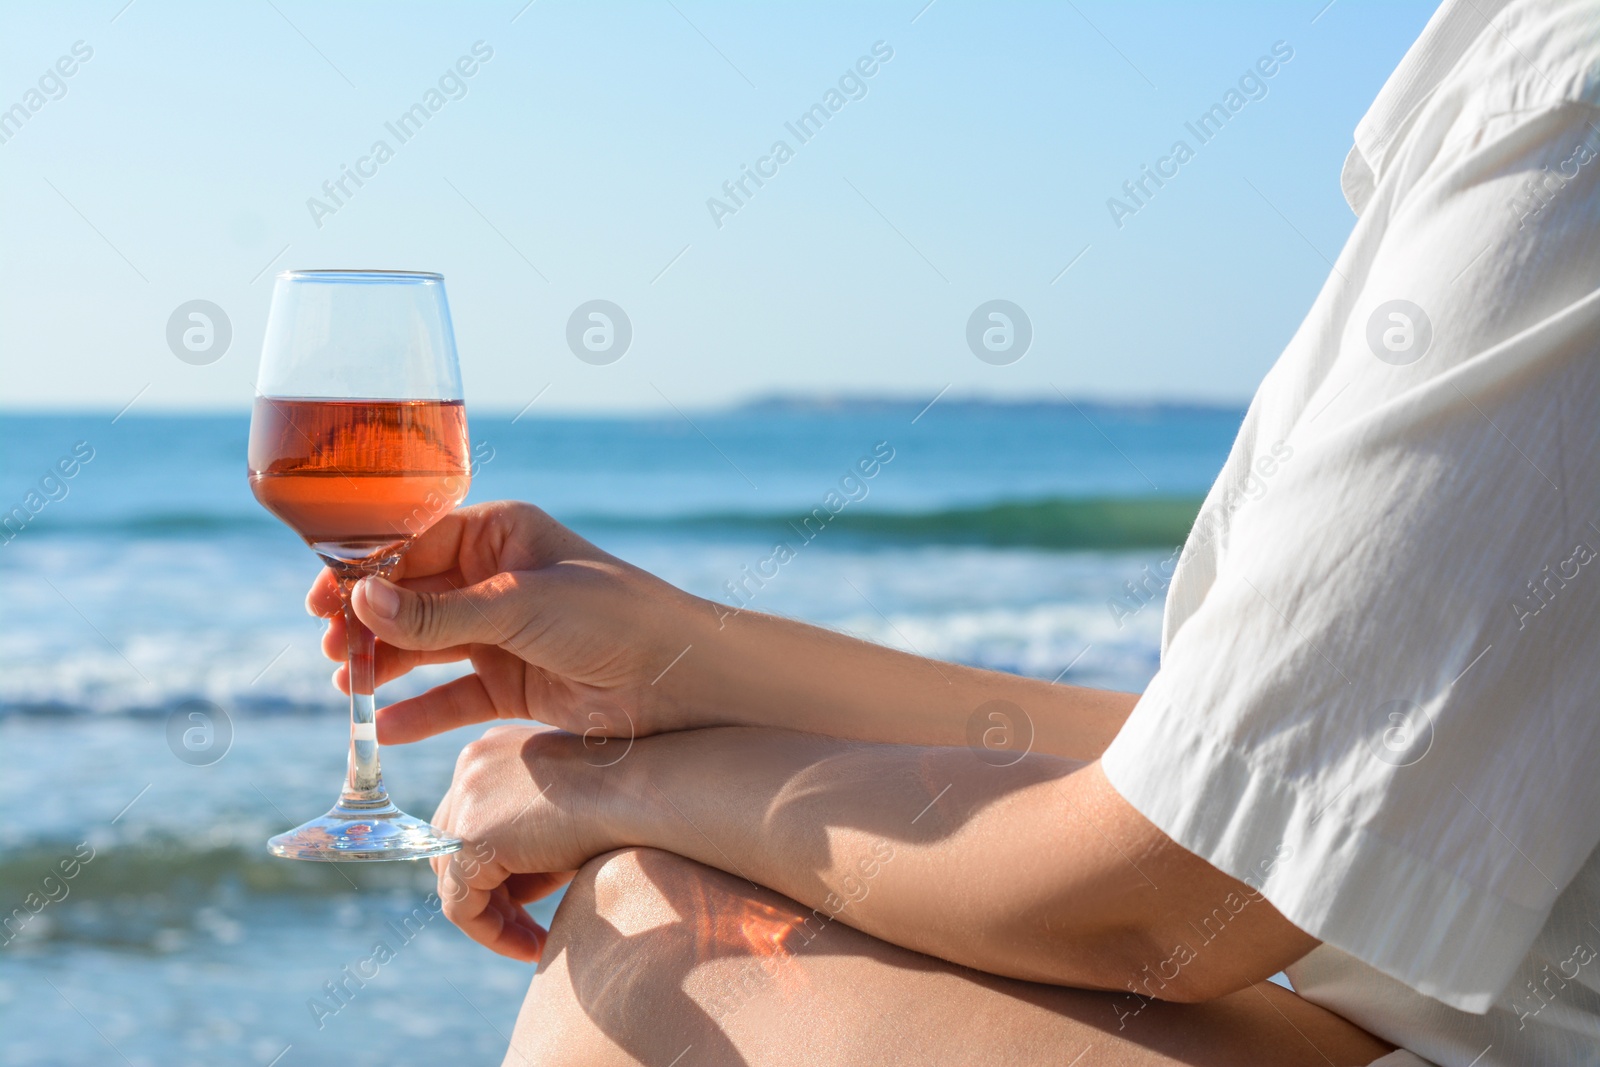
[{"x": 1381, "y": 707}]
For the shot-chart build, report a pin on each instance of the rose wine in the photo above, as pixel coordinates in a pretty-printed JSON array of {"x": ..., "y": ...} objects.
[{"x": 358, "y": 479}]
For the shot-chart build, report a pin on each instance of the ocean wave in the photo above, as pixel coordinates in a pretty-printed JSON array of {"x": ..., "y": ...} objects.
[
  {"x": 242, "y": 642},
  {"x": 1049, "y": 522},
  {"x": 156, "y": 524},
  {"x": 159, "y": 895},
  {"x": 1042, "y": 641},
  {"x": 1061, "y": 523},
  {"x": 171, "y": 867}
]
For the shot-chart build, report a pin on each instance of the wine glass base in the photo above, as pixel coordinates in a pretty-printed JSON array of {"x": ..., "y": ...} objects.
[{"x": 361, "y": 832}]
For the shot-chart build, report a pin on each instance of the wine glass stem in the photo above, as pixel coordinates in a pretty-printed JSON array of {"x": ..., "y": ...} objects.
[{"x": 365, "y": 778}]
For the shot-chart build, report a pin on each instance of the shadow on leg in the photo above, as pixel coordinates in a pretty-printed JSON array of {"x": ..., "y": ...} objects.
[{"x": 658, "y": 960}]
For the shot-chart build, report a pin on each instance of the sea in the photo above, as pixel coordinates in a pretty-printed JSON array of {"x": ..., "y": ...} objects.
[{"x": 141, "y": 584}]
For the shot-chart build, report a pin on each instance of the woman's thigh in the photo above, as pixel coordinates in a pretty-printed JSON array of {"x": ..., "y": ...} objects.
[{"x": 655, "y": 959}]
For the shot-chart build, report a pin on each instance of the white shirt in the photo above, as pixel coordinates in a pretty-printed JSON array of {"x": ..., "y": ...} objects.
[{"x": 1379, "y": 694}]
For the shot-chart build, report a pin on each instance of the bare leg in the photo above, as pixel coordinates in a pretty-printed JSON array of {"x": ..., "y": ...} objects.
[{"x": 655, "y": 959}]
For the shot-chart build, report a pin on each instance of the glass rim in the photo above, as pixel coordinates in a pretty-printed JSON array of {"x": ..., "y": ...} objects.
[{"x": 360, "y": 275}]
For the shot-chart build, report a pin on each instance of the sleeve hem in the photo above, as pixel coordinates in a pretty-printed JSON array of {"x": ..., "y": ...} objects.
[{"x": 1347, "y": 887}]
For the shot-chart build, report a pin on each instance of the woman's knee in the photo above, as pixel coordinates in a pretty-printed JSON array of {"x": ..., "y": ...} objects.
[
  {"x": 641, "y": 955},
  {"x": 624, "y": 894}
]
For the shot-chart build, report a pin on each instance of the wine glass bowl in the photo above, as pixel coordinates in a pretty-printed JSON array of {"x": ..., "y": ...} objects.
[
  {"x": 357, "y": 479},
  {"x": 358, "y": 442}
]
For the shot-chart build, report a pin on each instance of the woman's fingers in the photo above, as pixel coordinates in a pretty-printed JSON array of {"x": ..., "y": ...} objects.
[
  {"x": 457, "y": 703},
  {"x": 441, "y": 821},
  {"x": 520, "y": 937},
  {"x": 324, "y": 602},
  {"x": 488, "y": 912},
  {"x": 490, "y": 918},
  {"x": 438, "y": 549},
  {"x": 323, "y": 599},
  {"x": 392, "y": 662},
  {"x": 475, "y": 541},
  {"x": 525, "y": 888},
  {"x": 498, "y": 535},
  {"x": 491, "y": 612},
  {"x": 333, "y": 637}
]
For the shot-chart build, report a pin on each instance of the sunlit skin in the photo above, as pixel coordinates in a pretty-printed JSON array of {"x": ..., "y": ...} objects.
[{"x": 830, "y": 782}]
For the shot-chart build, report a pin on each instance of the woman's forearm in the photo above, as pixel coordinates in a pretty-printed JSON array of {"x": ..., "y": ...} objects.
[
  {"x": 1033, "y": 870},
  {"x": 750, "y": 669},
  {"x": 893, "y": 840}
]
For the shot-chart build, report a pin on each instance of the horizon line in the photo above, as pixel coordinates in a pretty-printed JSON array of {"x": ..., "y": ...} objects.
[{"x": 821, "y": 400}]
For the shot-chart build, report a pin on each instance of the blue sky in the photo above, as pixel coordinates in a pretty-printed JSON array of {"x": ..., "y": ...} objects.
[{"x": 576, "y": 162}]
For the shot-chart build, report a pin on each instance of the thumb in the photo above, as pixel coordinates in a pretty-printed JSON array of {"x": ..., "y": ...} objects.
[{"x": 482, "y": 614}]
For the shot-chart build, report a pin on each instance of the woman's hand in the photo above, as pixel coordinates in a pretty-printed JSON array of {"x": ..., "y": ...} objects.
[
  {"x": 902, "y": 842},
  {"x": 561, "y": 632},
  {"x": 522, "y": 802},
  {"x": 556, "y": 629}
]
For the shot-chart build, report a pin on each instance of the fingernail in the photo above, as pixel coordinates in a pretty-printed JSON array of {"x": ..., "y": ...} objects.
[{"x": 382, "y": 598}]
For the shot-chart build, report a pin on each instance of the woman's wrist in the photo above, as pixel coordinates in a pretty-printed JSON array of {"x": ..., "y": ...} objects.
[
  {"x": 724, "y": 667},
  {"x": 721, "y": 667},
  {"x": 586, "y": 781},
  {"x": 624, "y": 808},
  {"x": 747, "y": 668},
  {"x": 680, "y": 672}
]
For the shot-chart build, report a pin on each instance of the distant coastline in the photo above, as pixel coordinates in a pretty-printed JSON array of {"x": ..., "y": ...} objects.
[
  {"x": 765, "y": 403},
  {"x": 864, "y": 403}
]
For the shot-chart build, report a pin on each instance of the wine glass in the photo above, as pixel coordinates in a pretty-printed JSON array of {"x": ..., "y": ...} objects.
[{"x": 358, "y": 442}]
